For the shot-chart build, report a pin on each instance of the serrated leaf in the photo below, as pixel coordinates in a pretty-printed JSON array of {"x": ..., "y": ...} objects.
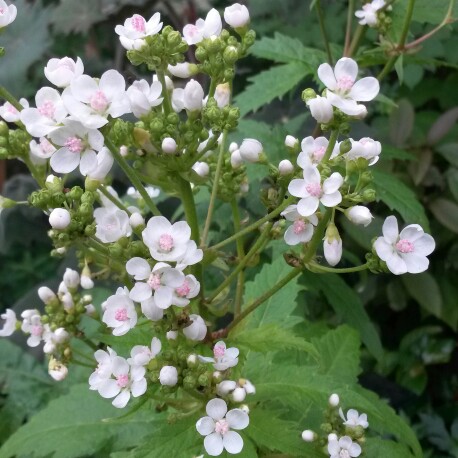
[
  {"x": 398, "y": 196},
  {"x": 348, "y": 307},
  {"x": 270, "y": 84},
  {"x": 71, "y": 426}
]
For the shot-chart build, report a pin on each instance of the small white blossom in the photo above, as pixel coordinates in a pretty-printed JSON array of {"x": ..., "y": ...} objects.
[
  {"x": 189, "y": 289},
  {"x": 197, "y": 330},
  {"x": 237, "y": 15},
  {"x": 104, "y": 368},
  {"x": 168, "y": 376},
  {"x": 250, "y": 150},
  {"x": 359, "y": 215},
  {"x": 53, "y": 338},
  {"x": 61, "y": 72},
  {"x": 343, "y": 448},
  {"x": 10, "y": 113},
  {"x": 143, "y": 96},
  {"x": 354, "y": 419},
  {"x": 366, "y": 148},
  {"x": 59, "y": 218},
  {"x": 368, "y": 15},
  {"x": 7, "y": 14},
  {"x": 120, "y": 313},
  {"x": 313, "y": 150},
  {"x": 41, "y": 151},
  {"x": 301, "y": 230},
  {"x": 321, "y": 109},
  {"x": 135, "y": 29},
  {"x": 9, "y": 324},
  {"x": 140, "y": 355},
  {"x": 111, "y": 224},
  {"x": 217, "y": 428},
  {"x": 404, "y": 252},
  {"x": 207, "y": 28},
  {"x": 31, "y": 324},
  {"x": 224, "y": 358},
  {"x": 190, "y": 98},
  {"x": 101, "y": 165}
]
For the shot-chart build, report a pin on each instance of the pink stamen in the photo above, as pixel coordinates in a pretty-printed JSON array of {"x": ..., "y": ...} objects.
[
  {"x": 314, "y": 189},
  {"x": 36, "y": 330},
  {"x": 47, "y": 109},
  {"x": 345, "y": 83},
  {"x": 154, "y": 281},
  {"x": 299, "y": 226},
  {"x": 74, "y": 144},
  {"x": 404, "y": 246},
  {"x": 218, "y": 351},
  {"x": 139, "y": 23},
  {"x": 221, "y": 427},
  {"x": 11, "y": 109},
  {"x": 184, "y": 289},
  {"x": 344, "y": 454},
  {"x": 121, "y": 315},
  {"x": 166, "y": 242},
  {"x": 99, "y": 101},
  {"x": 122, "y": 380},
  {"x": 318, "y": 154}
]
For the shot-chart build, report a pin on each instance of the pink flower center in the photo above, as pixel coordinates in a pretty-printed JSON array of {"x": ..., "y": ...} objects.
[
  {"x": 74, "y": 144},
  {"x": 36, "y": 330},
  {"x": 184, "y": 289},
  {"x": 138, "y": 23},
  {"x": 99, "y": 101},
  {"x": 314, "y": 189},
  {"x": 344, "y": 454},
  {"x": 299, "y": 226},
  {"x": 47, "y": 109},
  {"x": 2, "y": 10},
  {"x": 122, "y": 380},
  {"x": 221, "y": 427},
  {"x": 193, "y": 31},
  {"x": 11, "y": 109},
  {"x": 404, "y": 246},
  {"x": 166, "y": 242},
  {"x": 345, "y": 83},
  {"x": 318, "y": 154},
  {"x": 121, "y": 315},
  {"x": 218, "y": 351},
  {"x": 154, "y": 281}
]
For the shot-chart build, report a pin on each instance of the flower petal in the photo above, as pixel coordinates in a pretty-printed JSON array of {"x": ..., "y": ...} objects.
[
  {"x": 416, "y": 263},
  {"x": 233, "y": 442},
  {"x": 205, "y": 426},
  {"x": 365, "y": 89},
  {"x": 297, "y": 188},
  {"x": 425, "y": 245},
  {"x": 139, "y": 268},
  {"x": 216, "y": 408},
  {"x": 331, "y": 200},
  {"x": 213, "y": 444},
  {"x": 346, "y": 67},
  {"x": 390, "y": 229},
  {"x": 333, "y": 183},
  {"x": 237, "y": 419},
  {"x": 140, "y": 292},
  {"x": 326, "y": 75},
  {"x": 122, "y": 399},
  {"x": 64, "y": 161},
  {"x": 308, "y": 205}
]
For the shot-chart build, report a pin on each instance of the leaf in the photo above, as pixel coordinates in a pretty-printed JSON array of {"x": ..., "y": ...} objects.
[
  {"x": 78, "y": 17},
  {"x": 391, "y": 152},
  {"x": 446, "y": 212},
  {"x": 401, "y": 122},
  {"x": 379, "y": 448},
  {"x": 452, "y": 181},
  {"x": 348, "y": 307},
  {"x": 450, "y": 152},
  {"x": 270, "y": 84},
  {"x": 425, "y": 290},
  {"x": 71, "y": 426},
  {"x": 394, "y": 193},
  {"x": 442, "y": 126}
]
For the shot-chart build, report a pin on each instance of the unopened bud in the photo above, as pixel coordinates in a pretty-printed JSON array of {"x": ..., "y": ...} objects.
[
  {"x": 233, "y": 146},
  {"x": 168, "y": 376},
  {"x": 308, "y": 94},
  {"x": 334, "y": 400},
  {"x": 171, "y": 335},
  {"x": 53, "y": 183},
  {"x": 169, "y": 145},
  {"x": 250, "y": 150},
  {"x": 191, "y": 360},
  {"x": 291, "y": 142},
  {"x": 238, "y": 395},
  {"x": 332, "y": 245},
  {"x": 285, "y": 167},
  {"x": 201, "y": 168},
  {"x": 71, "y": 278},
  {"x": 308, "y": 435},
  {"x": 359, "y": 215},
  {"x": 136, "y": 220},
  {"x": 236, "y": 159},
  {"x": 46, "y": 294},
  {"x": 59, "y": 218},
  {"x": 321, "y": 109},
  {"x": 123, "y": 151}
]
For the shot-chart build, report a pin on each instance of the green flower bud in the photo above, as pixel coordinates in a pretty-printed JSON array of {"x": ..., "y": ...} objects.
[
  {"x": 88, "y": 197},
  {"x": 174, "y": 38},
  {"x": 203, "y": 380},
  {"x": 91, "y": 185},
  {"x": 3, "y": 153},
  {"x": 369, "y": 195},
  {"x": 189, "y": 382},
  {"x": 173, "y": 118},
  {"x": 230, "y": 55},
  {"x": 308, "y": 94},
  {"x": 249, "y": 38},
  {"x": 156, "y": 126},
  {"x": 85, "y": 209},
  {"x": 75, "y": 193},
  {"x": 167, "y": 30},
  {"x": 3, "y": 142},
  {"x": 3, "y": 129},
  {"x": 345, "y": 146},
  {"x": 115, "y": 251}
]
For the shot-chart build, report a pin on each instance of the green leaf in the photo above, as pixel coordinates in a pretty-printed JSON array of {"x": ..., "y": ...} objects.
[
  {"x": 394, "y": 193},
  {"x": 71, "y": 426},
  {"x": 270, "y": 84},
  {"x": 379, "y": 448},
  {"x": 450, "y": 152},
  {"x": 348, "y": 307},
  {"x": 78, "y": 17},
  {"x": 446, "y": 213}
]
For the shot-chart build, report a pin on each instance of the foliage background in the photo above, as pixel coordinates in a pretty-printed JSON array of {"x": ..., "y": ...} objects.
[{"x": 408, "y": 324}]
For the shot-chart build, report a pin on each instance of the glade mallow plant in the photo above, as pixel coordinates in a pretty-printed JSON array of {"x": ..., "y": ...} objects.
[{"x": 178, "y": 144}]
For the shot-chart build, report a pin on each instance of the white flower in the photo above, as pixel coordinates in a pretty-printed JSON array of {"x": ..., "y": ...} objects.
[
  {"x": 46, "y": 294},
  {"x": 343, "y": 448},
  {"x": 197, "y": 330},
  {"x": 359, "y": 215},
  {"x": 343, "y": 90},
  {"x": 321, "y": 109},
  {"x": 31, "y": 324},
  {"x": 404, "y": 252},
  {"x": 71, "y": 278},
  {"x": 60, "y": 72},
  {"x": 192, "y": 256},
  {"x": 201, "y": 168},
  {"x": 312, "y": 192},
  {"x": 57, "y": 370},
  {"x": 91, "y": 101},
  {"x": 59, "y": 218},
  {"x": 102, "y": 165},
  {"x": 366, "y": 148},
  {"x": 301, "y": 230},
  {"x": 9, "y": 325},
  {"x": 136, "y": 28},
  {"x": 78, "y": 146},
  {"x": 183, "y": 70},
  {"x": 169, "y": 145},
  {"x": 222, "y": 95},
  {"x": 160, "y": 282},
  {"x": 140, "y": 355},
  {"x": 127, "y": 380},
  {"x": 332, "y": 245},
  {"x": 151, "y": 190},
  {"x": 42, "y": 150},
  {"x": 368, "y": 15},
  {"x": 250, "y": 150},
  {"x": 168, "y": 376},
  {"x": 224, "y": 358},
  {"x": 238, "y": 390},
  {"x": 53, "y": 339},
  {"x": 47, "y": 116},
  {"x": 285, "y": 167},
  {"x": 111, "y": 224},
  {"x": 313, "y": 150},
  {"x": 190, "y": 98},
  {"x": 212, "y": 26},
  {"x": 217, "y": 428},
  {"x": 237, "y": 15},
  {"x": 189, "y": 289},
  {"x": 10, "y": 113},
  {"x": 166, "y": 241},
  {"x": 120, "y": 313},
  {"x": 143, "y": 96},
  {"x": 354, "y": 419},
  {"x": 7, "y": 14},
  {"x": 104, "y": 368}
]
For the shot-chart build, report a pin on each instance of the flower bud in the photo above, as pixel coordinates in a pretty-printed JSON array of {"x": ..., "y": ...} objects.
[
  {"x": 238, "y": 395},
  {"x": 169, "y": 145},
  {"x": 183, "y": 70},
  {"x": 237, "y": 15},
  {"x": 46, "y": 294},
  {"x": 233, "y": 146},
  {"x": 250, "y": 150},
  {"x": 61, "y": 72},
  {"x": 59, "y": 218},
  {"x": 285, "y": 167},
  {"x": 332, "y": 246},
  {"x": 369, "y": 195},
  {"x": 168, "y": 376},
  {"x": 53, "y": 183},
  {"x": 191, "y": 360},
  {"x": 123, "y": 151},
  {"x": 86, "y": 280},
  {"x": 136, "y": 219},
  {"x": 217, "y": 376},
  {"x": 193, "y": 96},
  {"x": 57, "y": 370},
  {"x": 230, "y": 54},
  {"x": 334, "y": 400},
  {"x": 321, "y": 109},
  {"x": 308, "y": 94},
  {"x": 222, "y": 95},
  {"x": 332, "y": 437},
  {"x": 171, "y": 335},
  {"x": 359, "y": 215},
  {"x": 71, "y": 278},
  {"x": 291, "y": 142},
  {"x": 201, "y": 168},
  {"x": 236, "y": 159},
  {"x": 308, "y": 435},
  {"x": 225, "y": 387},
  {"x": 245, "y": 408}
]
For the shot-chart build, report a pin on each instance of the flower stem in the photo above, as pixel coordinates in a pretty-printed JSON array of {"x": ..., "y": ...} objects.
[
  {"x": 317, "y": 236},
  {"x": 133, "y": 177},
  {"x": 6, "y": 95},
  {"x": 359, "y": 33},
  {"x": 211, "y": 205},
  {"x": 261, "y": 299},
  {"x": 332, "y": 143},
  {"x": 344, "y": 270},
  {"x": 351, "y": 8},
  {"x": 323, "y": 31},
  {"x": 113, "y": 199},
  {"x": 240, "y": 255},
  {"x": 165, "y": 93}
]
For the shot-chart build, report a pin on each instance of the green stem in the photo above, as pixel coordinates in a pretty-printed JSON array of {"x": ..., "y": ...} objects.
[
  {"x": 317, "y": 267},
  {"x": 6, "y": 95},
  {"x": 240, "y": 255},
  {"x": 261, "y": 299},
  {"x": 359, "y": 33},
  {"x": 332, "y": 143},
  {"x": 323, "y": 32},
  {"x": 165, "y": 93},
  {"x": 317, "y": 236},
  {"x": 113, "y": 199},
  {"x": 211, "y": 205},
  {"x": 351, "y": 8},
  {"x": 212, "y": 89},
  {"x": 241, "y": 265},
  {"x": 256, "y": 224},
  {"x": 135, "y": 180}
]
